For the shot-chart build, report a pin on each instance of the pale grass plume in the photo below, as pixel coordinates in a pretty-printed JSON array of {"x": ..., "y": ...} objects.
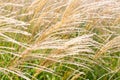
[{"x": 64, "y": 39}]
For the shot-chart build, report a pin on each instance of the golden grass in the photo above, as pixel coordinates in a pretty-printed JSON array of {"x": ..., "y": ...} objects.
[{"x": 44, "y": 35}]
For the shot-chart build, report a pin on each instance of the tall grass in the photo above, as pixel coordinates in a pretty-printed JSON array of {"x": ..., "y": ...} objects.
[{"x": 59, "y": 40}]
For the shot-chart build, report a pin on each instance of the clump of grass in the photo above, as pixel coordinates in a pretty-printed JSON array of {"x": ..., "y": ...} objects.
[{"x": 59, "y": 40}]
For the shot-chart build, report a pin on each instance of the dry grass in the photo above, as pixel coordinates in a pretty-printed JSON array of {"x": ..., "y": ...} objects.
[{"x": 59, "y": 39}]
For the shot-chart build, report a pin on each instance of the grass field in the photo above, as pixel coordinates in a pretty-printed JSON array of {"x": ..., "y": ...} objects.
[{"x": 59, "y": 39}]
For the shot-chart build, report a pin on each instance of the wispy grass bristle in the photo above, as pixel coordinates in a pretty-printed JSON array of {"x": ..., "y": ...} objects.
[{"x": 59, "y": 39}]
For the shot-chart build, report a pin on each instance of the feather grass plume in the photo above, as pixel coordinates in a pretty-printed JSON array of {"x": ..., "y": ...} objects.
[{"x": 59, "y": 39}]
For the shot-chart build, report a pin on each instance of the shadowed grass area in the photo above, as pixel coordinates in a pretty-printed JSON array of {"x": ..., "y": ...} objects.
[{"x": 59, "y": 40}]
